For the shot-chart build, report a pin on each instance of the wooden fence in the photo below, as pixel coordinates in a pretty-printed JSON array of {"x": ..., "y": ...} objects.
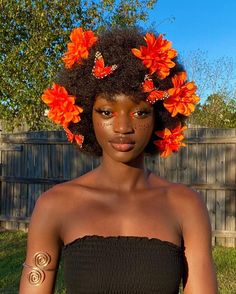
[{"x": 30, "y": 163}]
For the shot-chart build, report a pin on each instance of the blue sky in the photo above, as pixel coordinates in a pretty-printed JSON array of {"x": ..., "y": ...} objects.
[{"x": 201, "y": 24}]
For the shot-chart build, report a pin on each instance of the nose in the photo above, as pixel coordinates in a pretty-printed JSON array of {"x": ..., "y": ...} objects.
[{"x": 123, "y": 124}]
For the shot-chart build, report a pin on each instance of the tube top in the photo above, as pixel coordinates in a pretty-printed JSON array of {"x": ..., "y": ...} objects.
[{"x": 122, "y": 264}]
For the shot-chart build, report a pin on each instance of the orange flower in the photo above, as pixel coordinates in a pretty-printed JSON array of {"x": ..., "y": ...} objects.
[
  {"x": 182, "y": 98},
  {"x": 62, "y": 109},
  {"x": 78, "y": 49},
  {"x": 157, "y": 56},
  {"x": 171, "y": 140},
  {"x": 79, "y": 139}
]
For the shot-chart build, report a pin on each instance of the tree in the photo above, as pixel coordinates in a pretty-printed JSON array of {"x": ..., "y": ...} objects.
[
  {"x": 216, "y": 112},
  {"x": 211, "y": 75},
  {"x": 35, "y": 33},
  {"x": 216, "y": 82}
]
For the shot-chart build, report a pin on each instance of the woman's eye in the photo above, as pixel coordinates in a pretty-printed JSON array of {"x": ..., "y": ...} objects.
[
  {"x": 141, "y": 113},
  {"x": 104, "y": 112}
]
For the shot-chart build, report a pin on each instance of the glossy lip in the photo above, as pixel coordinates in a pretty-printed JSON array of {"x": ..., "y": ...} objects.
[
  {"x": 123, "y": 147},
  {"x": 122, "y": 144}
]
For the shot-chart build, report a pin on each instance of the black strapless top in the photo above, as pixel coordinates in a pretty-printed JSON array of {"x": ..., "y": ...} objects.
[{"x": 122, "y": 264}]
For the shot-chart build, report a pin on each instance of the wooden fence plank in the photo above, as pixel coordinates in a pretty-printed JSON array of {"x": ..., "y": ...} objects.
[
  {"x": 203, "y": 194},
  {"x": 30, "y": 200},
  {"x": 220, "y": 195},
  {"x": 220, "y": 215},
  {"x": 202, "y": 168},
  {"x": 8, "y": 147},
  {"x": 230, "y": 178},
  {"x": 23, "y": 199},
  {"x": 171, "y": 168},
  {"x": 182, "y": 165},
  {"x": 230, "y": 222},
  {"x": 29, "y": 180},
  {"x": 211, "y": 206},
  {"x": 192, "y": 164}
]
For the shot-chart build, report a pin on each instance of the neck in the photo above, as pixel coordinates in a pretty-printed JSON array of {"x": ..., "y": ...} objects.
[{"x": 123, "y": 176}]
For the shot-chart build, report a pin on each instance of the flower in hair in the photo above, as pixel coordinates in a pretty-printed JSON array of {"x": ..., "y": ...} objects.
[
  {"x": 171, "y": 140},
  {"x": 62, "y": 106},
  {"x": 155, "y": 94},
  {"x": 157, "y": 55},
  {"x": 78, "y": 48},
  {"x": 99, "y": 69},
  {"x": 182, "y": 98},
  {"x": 79, "y": 139}
]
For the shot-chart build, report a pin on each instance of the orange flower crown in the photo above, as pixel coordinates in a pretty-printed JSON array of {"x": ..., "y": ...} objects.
[{"x": 157, "y": 56}]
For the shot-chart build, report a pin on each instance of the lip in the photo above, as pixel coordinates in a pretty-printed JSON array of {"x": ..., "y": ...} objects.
[
  {"x": 123, "y": 147},
  {"x": 122, "y": 140},
  {"x": 122, "y": 143}
]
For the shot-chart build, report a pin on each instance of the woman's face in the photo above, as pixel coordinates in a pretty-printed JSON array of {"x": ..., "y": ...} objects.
[{"x": 122, "y": 127}]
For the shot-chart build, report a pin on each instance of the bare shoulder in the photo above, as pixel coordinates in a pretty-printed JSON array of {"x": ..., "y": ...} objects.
[
  {"x": 196, "y": 232},
  {"x": 49, "y": 214},
  {"x": 59, "y": 193},
  {"x": 186, "y": 204},
  {"x": 189, "y": 204},
  {"x": 192, "y": 215},
  {"x": 44, "y": 235},
  {"x": 181, "y": 194},
  {"x": 184, "y": 196}
]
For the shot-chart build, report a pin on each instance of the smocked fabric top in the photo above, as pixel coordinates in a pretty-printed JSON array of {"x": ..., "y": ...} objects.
[{"x": 122, "y": 264}]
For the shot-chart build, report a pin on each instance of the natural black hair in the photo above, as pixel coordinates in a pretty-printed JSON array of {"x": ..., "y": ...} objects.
[{"x": 115, "y": 46}]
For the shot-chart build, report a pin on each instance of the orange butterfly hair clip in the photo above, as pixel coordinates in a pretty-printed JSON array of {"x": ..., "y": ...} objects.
[
  {"x": 99, "y": 70},
  {"x": 154, "y": 93}
]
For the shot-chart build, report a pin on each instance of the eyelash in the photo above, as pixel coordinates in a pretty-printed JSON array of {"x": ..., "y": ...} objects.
[
  {"x": 144, "y": 113},
  {"x": 104, "y": 112},
  {"x": 108, "y": 113}
]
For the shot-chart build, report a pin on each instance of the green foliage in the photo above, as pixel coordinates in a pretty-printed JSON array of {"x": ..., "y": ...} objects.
[
  {"x": 215, "y": 79},
  {"x": 225, "y": 262},
  {"x": 216, "y": 112},
  {"x": 12, "y": 255},
  {"x": 35, "y": 33}
]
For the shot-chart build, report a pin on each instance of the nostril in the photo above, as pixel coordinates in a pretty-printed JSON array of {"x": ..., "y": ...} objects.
[{"x": 123, "y": 127}]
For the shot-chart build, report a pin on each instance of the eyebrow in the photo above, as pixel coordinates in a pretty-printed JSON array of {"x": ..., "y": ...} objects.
[{"x": 114, "y": 100}]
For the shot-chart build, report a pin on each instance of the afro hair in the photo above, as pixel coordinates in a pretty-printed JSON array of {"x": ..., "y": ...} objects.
[{"x": 115, "y": 46}]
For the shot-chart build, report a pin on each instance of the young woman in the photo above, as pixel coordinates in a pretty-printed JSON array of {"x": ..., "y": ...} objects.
[{"x": 121, "y": 228}]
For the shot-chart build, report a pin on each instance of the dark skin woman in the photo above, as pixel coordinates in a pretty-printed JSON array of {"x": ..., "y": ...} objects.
[{"x": 119, "y": 198}]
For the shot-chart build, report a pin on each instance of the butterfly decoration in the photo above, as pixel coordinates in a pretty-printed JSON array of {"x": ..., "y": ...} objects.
[
  {"x": 79, "y": 139},
  {"x": 99, "y": 70},
  {"x": 154, "y": 93}
]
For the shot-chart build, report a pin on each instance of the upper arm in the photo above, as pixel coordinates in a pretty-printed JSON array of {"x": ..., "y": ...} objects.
[
  {"x": 44, "y": 245},
  {"x": 199, "y": 274}
]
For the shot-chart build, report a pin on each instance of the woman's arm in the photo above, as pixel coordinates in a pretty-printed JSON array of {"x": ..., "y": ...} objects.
[
  {"x": 43, "y": 248},
  {"x": 200, "y": 276}
]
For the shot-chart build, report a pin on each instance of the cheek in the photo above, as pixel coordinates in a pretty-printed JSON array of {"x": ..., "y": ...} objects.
[
  {"x": 144, "y": 131},
  {"x": 102, "y": 125},
  {"x": 101, "y": 129},
  {"x": 143, "y": 126}
]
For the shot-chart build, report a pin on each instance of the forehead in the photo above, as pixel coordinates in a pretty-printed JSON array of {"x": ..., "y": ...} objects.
[{"x": 120, "y": 100}]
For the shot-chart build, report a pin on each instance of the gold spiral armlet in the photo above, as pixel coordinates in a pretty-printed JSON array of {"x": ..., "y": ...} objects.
[
  {"x": 31, "y": 266},
  {"x": 37, "y": 274}
]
